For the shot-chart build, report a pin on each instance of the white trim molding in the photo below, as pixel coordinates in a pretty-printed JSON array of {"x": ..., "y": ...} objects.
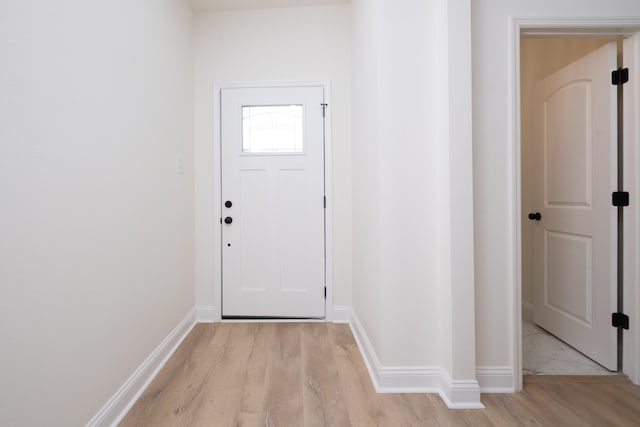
[
  {"x": 414, "y": 379},
  {"x": 577, "y": 26},
  {"x": 206, "y": 314},
  {"x": 117, "y": 407},
  {"x": 460, "y": 394},
  {"x": 341, "y": 314},
  {"x": 495, "y": 379},
  {"x": 393, "y": 379},
  {"x": 631, "y": 218}
]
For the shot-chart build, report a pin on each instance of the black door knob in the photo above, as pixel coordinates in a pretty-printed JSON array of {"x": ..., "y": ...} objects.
[
  {"x": 535, "y": 216},
  {"x": 228, "y": 204},
  {"x": 228, "y": 220}
]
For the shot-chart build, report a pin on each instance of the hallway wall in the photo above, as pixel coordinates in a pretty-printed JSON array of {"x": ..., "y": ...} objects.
[
  {"x": 398, "y": 271},
  {"x": 96, "y": 246}
]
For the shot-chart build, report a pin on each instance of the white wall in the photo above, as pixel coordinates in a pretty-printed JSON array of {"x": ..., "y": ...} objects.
[
  {"x": 306, "y": 43},
  {"x": 367, "y": 258},
  {"x": 397, "y": 157},
  {"x": 494, "y": 161},
  {"x": 540, "y": 57},
  {"x": 408, "y": 190},
  {"x": 96, "y": 253},
  {"x": 413, "y": 285}
]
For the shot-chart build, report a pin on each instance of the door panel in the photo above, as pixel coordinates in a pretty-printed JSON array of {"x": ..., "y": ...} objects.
[
  {"x": 568, "y": 145},
  {"x": 293, "y": 182},
  {"x": 568, "y": 279},
  {"x": 255, "y": 257},
  {"x": 273, "y": 175},
  {"x": 575, "y": 240}
]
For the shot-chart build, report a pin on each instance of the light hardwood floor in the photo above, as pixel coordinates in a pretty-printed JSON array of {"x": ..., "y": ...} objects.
[{"x": 312, "y": 374}]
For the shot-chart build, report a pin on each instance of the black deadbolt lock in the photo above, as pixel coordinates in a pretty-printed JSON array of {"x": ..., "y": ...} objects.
[
  {"x": 228, "y": 204},
  {"x": 228, "y": 220}
]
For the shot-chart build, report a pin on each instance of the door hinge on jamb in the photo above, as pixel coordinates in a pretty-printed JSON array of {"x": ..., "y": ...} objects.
[
  {"x": 619, "y": 76},
  {"x": 324, "y": 107},
  {"x": 620, "y": 320},
  {"x": 324, "y": 201},
  {"x": 220, "y": 220},
  {"x": 325, "y": 292},
  {"x": 620, "y": 198}
]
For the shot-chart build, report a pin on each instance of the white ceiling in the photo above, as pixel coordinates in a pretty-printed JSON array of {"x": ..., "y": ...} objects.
[{"x": 213, "y": 5}]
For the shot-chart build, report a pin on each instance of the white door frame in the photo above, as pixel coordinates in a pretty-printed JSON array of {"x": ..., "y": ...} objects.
[
  {"x": 571, "y": 27},
  {"x": 217, "y": 188}
]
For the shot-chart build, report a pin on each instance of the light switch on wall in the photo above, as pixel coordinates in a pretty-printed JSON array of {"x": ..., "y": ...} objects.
[{"x": 180, "y": 165}]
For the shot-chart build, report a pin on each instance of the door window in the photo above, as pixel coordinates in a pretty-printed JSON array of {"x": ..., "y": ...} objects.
[{"x": 272, "y": 129}]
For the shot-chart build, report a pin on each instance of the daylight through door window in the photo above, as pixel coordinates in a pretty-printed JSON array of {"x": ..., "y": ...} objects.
[{"x": 272, "y": 129}]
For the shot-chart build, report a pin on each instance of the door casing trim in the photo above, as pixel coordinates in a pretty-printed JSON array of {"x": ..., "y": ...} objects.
[
  {"x": 557, "y": 27},
  {"x": 217, "y": 185}
]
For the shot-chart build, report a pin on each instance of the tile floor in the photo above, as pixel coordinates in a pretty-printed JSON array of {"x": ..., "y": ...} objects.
[{"x": 544, "y": 354}]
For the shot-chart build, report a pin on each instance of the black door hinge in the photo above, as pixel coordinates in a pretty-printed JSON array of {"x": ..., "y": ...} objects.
[
  {"x": 325, "y": 292},
  {"x": 220, "y": 220},
  {"x": 324, "y": 107},
  {"x": 325, "y": 201},
  {"x": 620, "y": 198},
  {"x": 619, "y": 76},
  {"x": 619, "y": 320}
]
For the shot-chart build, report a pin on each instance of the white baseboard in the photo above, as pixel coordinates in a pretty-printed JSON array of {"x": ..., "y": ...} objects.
[
  {"x": 117, "y": 407},
  {"x": 415, "y": 379},
  {"x": 418, "y": 379},
  {"x": 527, "y": 311},
  {"x": 206, "y": 314},
  {"x": 366, "y": 349},
  {"x": 460, "y": 394},
  {"x": 341, "y": 314},
  {"x": 495, "y": 379}
]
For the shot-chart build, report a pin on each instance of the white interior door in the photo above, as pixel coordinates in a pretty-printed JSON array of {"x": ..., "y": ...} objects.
[
  {"x": 273, "y": 254},
  {"x": 575, "y": 238}
]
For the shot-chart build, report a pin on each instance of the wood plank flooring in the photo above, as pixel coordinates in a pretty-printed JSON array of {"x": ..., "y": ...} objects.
[{"x": 312, "y": 374}]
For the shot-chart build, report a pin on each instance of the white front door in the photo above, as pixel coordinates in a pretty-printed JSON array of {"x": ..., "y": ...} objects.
[
  {"x": 575, "y": 237},
  {"x": 273, "y": 236}
]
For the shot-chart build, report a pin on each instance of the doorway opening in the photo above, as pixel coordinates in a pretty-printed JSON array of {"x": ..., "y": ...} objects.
[
  {"x": 568, "y": 171},
  {"x": 585, "y": 35}
]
